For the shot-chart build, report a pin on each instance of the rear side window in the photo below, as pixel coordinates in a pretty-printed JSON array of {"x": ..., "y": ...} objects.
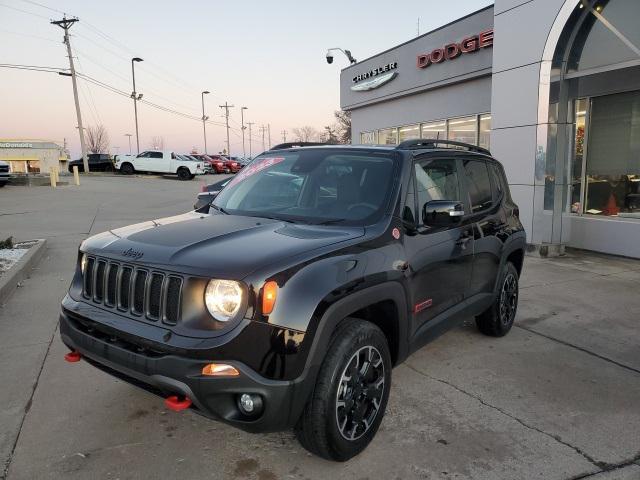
[
  {"x": 155, "y": 154},
  {"x": 497, "y": 181},
  {"x": 478, "y": 184}
]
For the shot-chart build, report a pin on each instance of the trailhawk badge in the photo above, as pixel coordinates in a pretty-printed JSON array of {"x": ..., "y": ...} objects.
[{"x": 375, "y": 78}]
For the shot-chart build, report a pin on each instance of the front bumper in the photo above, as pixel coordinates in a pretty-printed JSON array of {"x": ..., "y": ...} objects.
[{"x": 169, "y": 374}]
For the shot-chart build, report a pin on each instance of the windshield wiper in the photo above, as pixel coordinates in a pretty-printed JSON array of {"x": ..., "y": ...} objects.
[
  {"x": 331, "y": 221},
  {"x": 220, "y": 209}
]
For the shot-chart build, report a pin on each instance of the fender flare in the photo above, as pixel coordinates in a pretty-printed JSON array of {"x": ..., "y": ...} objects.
[
  {"x": 328, "y": 323},
  {"x": 344, "y": 307},
  {"x": 515, "y": 243}
]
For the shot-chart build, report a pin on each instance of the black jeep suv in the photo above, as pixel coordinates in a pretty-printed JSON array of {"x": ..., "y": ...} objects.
[{"x": 315, "y": 270}]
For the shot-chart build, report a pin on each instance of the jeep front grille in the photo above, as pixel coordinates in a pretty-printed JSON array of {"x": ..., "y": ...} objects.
[{"x": 140, "y": 291}]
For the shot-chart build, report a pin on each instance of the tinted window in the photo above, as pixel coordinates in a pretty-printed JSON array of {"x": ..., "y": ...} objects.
[
  {"x": 437, "y": 179},
  {"x": 312, "y": 186},
  {"x": 409, "y": 211},
  {"x": 496, "y": 181},
  {"x": 143, "y": 155},
  {"x": 155, "y": 155},
  {"x": 478, "y": 184}
]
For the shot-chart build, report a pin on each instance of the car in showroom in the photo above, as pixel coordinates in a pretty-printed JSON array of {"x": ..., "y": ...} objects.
[
  {"x": 98, "y": 162},
  {"x": 4, "y": 173},
  {"x": 313, "y": 273}
]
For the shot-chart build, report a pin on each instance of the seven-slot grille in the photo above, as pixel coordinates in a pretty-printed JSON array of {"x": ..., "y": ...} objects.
[{"x": 141, "y": 291}]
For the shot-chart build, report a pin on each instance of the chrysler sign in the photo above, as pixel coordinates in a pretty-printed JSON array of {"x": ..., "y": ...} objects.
[
  {"x": 452, "y": 51},
  {"x": 375, "y": 78}
]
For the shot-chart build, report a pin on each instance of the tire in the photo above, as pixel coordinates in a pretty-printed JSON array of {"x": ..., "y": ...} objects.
[
  {"x": 2, "y": 184},
  {"x": 184, "y": 173},
  {"x": 498, "y": 319},
  {"x": 227, "y": 171},
  {"x": 127, "y": 169},
  {"x": 324, "y": 428}
]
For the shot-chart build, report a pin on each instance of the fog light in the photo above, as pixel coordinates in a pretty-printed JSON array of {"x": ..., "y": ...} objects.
[
  {"x": 250, "y": 404},
  {"x": 246, "y": 403},
  {"x": 219, "y": 370}
]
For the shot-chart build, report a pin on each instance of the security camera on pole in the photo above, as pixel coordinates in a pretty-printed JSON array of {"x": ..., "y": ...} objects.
[{"x": 346, "y": 52}]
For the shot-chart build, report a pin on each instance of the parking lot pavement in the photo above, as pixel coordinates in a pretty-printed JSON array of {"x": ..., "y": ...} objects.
[{"x": 557, "y": 398}]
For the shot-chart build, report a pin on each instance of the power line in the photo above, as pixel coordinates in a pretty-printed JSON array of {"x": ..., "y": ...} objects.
[
  {"x": 43, "y": 6},
  {"x": 36, "y": 68},
  {"x": 24, "y": 11}
]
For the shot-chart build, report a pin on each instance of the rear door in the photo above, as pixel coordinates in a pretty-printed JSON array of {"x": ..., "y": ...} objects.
[
  {"x": 159, "y": 162},
  {"x": 439, "y": 258},
  {"x": 489, "y": 222}
]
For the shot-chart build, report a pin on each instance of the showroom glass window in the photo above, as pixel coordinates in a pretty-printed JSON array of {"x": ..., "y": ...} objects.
[
  {"x": 368, "y": 138},
  {"x": 612, "y": 177},
  {"x": 435, "y": 130},
  {"x": 463, "y": 129},
  {"x": 409, "y": 132},
  {"x": 484, "y": 131},
  {"x": 388, "y": 136}
]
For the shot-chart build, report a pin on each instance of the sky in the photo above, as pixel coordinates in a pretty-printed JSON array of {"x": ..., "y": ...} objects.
[{"x": 268, "y": 56}]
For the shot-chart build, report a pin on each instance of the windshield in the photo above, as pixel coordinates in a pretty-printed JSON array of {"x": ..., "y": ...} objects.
[{"x": 312, "y": 186}]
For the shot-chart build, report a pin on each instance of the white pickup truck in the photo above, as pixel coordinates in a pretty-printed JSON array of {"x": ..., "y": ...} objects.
[{"x": 157, "y": 161}]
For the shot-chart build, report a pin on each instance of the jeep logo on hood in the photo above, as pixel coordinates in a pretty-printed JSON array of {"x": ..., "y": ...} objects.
[{"x": 133, "y": 254}]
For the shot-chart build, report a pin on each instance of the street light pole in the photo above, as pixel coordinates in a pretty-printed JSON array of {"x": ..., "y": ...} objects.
[
  {"x": 226, "y": 107},
  {"x": 129, "y": 135},
  {"x": 135, "y": 97},
  {"x": 204, "y": 122},
  {"x": 242, "y": 109}
]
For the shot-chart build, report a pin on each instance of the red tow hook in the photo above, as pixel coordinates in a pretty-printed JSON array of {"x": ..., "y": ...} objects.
[
  {"x": 176, "y": 404},
  {"x": 73, "y": 357}
]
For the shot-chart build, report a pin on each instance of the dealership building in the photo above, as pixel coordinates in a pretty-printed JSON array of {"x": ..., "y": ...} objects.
[
  {"x": 551, "y": 87},
  {"x": 26, "y": 156}
]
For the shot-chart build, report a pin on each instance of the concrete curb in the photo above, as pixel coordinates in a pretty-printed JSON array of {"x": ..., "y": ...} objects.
[{"x": 21, "y": 270}]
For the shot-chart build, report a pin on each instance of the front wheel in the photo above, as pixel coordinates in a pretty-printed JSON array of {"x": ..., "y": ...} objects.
[
  {"x": 351, "y": 393},
  {"x": 498, "y": 319},
  {"x": 184, "y": 174},
  {"x": 127, "y": 168}
]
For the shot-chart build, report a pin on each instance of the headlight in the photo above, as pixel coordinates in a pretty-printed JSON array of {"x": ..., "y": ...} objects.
[
  {"x": 223, "y": 299},
  {"x": 83, "y": 263}
]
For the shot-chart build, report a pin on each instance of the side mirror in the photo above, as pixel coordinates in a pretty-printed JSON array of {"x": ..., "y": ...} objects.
[{"x": 442, "y": 213}]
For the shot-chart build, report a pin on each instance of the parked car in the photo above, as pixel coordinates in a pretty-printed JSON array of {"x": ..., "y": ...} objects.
[
  {"x": 156, "y": 161},
  {"x": 4, "y": 173},
  {"x": 209, "y": 192},
  {"x": 98, "y": 162},
  {"x": 224, "y": 164},
  {"x": 315, "y": 271}
]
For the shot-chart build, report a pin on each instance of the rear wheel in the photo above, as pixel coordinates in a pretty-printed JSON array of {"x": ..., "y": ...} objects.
[
  {"x": 127, "y": 168},
  {"x": 351, "y": 393},
  {"x": 2, "y": 184},
  {"x": 498, "y": 319},
  {"x": 184, "y": 173}
]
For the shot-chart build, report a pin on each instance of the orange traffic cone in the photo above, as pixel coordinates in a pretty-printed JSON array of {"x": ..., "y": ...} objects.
[{"x": 612, "y": 207}]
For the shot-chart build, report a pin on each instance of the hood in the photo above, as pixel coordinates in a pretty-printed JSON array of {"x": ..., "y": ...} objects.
[{"x": 224, "y": 246}]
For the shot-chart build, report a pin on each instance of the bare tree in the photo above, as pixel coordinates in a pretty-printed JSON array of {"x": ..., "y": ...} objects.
[
  {"x": 97, "y": 139},
  {"x": 157, "y": 143},
  {"x": 306, "y": 134},
  {"x": 343, "y": 126}
]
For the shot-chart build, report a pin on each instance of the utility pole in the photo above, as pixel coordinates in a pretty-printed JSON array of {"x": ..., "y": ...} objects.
[
  {"x": 250, "y": 124},
  {"x": 269, "y": 130},
  {"x": 66, "y": 24},
  {"x": 204, "y": 122},
  {"x": 129, "y": 135},
  {"x": 135, "y": 97},
  {"x": 242, "y": 109},
  {"x": 263, "y": 129},
  {"x": 226, "y": 107},
  {"x": 284, "y": 136}
]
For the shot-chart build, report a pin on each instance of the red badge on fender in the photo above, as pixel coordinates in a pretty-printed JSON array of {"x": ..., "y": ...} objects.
[{"x": 396, "y": 233}]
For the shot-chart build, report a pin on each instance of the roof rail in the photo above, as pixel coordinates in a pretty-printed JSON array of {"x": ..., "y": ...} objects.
[
  {"x": 433, "y": 142},
  {"x": 284, "y": 146}
]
